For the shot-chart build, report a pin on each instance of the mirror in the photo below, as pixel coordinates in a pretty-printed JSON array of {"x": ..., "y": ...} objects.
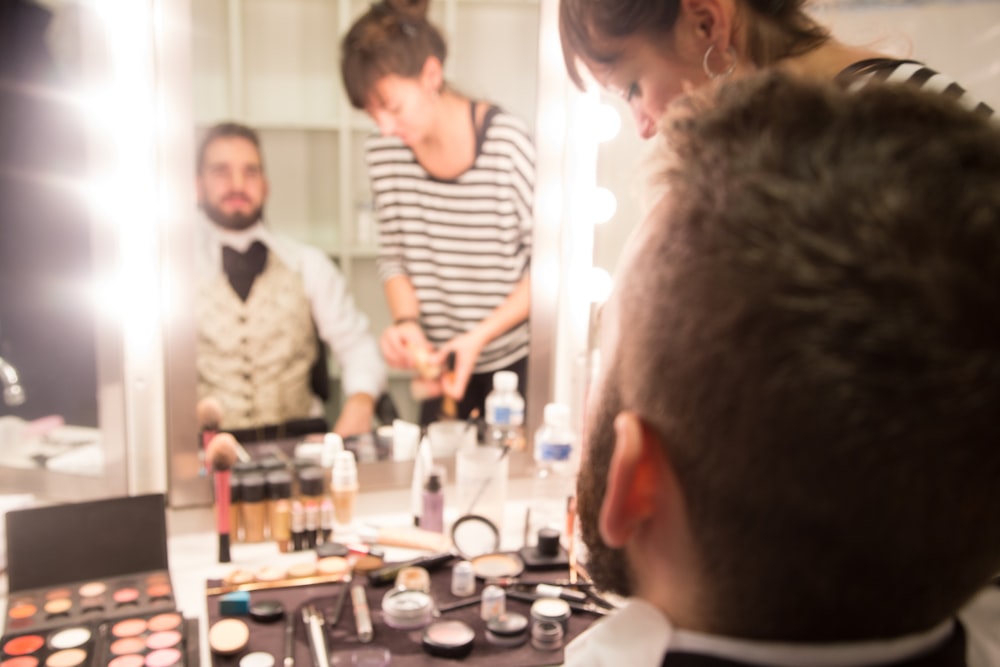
[
  {"x": 61, "y": 433},
  {"x": 274, "y": 65}
]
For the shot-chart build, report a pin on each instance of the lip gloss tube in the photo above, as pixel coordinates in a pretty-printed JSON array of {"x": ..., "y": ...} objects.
[{"x": 362, "y": 615}]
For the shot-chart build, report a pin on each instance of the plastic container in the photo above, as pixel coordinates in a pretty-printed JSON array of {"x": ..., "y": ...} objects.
[
  {"x": 556, "y": 462},
  {"x": 504, "y": 412},
  {"x": 344, "y": 487}
]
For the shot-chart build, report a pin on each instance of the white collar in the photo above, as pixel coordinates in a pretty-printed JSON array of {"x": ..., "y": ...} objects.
[
  {"x": 239, "y": 239},
  {"x": 638, "y": 634}
]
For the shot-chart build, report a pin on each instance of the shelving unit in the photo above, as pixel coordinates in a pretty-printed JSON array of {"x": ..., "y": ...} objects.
[{"x": 274, "y": 65}]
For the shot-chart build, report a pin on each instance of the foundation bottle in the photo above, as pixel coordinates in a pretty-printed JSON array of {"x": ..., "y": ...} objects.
[
  {"x": 254, "y": 507},
  {"x": 345, "y": 488},
  {"x": 279, "y": 489}
]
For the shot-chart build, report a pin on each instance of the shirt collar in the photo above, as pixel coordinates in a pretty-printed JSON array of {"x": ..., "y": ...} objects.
[
  {"x": 639, "y": 634},
  {"x": 240, "y": 239}
]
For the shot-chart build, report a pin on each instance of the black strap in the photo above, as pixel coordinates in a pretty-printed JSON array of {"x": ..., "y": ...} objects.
[
  {"x": 480, "y": 130},
  {"x": 242, "y": 268}
]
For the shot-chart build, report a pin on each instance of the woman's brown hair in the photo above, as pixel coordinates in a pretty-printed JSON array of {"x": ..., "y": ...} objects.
[
  {"x": 392, "y": 37},
  {"x": 776, "y": 29}
]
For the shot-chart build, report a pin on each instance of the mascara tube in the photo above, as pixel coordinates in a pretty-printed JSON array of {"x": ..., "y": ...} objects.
[{"x": 362, "y": 615}]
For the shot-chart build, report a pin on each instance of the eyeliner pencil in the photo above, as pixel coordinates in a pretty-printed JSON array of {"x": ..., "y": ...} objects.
[{"x": 290, "y": 641}]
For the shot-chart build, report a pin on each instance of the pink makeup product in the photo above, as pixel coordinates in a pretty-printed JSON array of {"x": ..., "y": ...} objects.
[
  {"x": 159, "y": 640},
  {"x": 78, "y": 564},
  {"x": 71, "y": 646}
]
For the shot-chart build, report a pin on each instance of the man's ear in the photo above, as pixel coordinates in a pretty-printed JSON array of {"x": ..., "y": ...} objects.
[
  {"x": 634, "y": 474},
  {"x": 432, "y": 74}
]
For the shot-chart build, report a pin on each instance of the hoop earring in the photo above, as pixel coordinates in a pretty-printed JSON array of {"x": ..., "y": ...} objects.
[{"x": 730, "y": 53}]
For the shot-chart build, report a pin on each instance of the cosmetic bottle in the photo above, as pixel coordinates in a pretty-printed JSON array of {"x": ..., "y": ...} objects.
[
  {"x": 298, "y": 526},
  {"x": 432, "y": 516},
  {"x": 254, "y": 514},
  {"x": 311, "y": 508},
  {"x": 345, "y": 488},
  {"x": 326, "y": 520},
  {"x": 311, "y": 485},
  {"x": 279, "y": 490}
]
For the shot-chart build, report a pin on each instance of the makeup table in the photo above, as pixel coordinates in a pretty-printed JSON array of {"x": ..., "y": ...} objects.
[{"x": 193, "y": 548}]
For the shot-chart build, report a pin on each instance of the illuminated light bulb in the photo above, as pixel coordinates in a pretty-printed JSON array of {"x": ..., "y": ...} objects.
[
  {"x": 602, "y": 205},
  {"x": 598, "y": 284},
  {"x": 606, "y": 122}
]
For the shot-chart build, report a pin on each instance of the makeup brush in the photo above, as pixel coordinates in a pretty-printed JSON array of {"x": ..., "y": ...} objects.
[
  {"x": 448, "y": 408},
  {"x": 221, "y": 455}
]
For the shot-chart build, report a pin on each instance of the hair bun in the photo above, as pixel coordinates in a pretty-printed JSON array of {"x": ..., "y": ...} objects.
[{"x": 415, "y": 8}]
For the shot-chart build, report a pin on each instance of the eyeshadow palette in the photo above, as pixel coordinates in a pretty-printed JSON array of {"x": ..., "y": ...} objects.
[
  {"x": 95, "y": 599},
  {"x": 79, "y": 562},
  {"x": 69, "y": 646}
]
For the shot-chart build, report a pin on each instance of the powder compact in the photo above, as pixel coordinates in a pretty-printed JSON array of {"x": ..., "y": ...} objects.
[
  {"x": 406, "y": 609},
  {"x": 448, "y": 639},
  {"x": 509, "y": 630}
]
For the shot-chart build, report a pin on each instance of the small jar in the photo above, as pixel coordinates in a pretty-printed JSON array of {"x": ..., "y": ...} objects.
[
  {"x": 463, "y": 579},
  {"x": 547, "y": 635},
  {"x": 551, "y": 609},
  {"x": 508, "y": 631},
  {"x": 493, "y": 603},
  {"x": 404, "y": 609}
]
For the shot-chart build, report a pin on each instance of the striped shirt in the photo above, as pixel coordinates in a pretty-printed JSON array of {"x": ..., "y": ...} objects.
[
  {"x": 464, "y": 243},
  {"x": 888, "y": 70}
]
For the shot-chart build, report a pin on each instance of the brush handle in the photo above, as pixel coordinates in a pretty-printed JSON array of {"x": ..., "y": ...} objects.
[{"x": 222, "y": 492}]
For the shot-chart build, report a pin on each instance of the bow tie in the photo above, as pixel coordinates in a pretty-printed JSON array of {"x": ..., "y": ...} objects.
[{"x": 242, "y": 268}]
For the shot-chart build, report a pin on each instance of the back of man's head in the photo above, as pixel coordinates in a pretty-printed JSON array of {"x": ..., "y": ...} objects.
[{"x": 813, "y": 329}]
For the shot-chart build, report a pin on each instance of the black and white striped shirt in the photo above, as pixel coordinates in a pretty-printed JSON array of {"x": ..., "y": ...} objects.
[
  {"x": 888, "y": 70},
  {"x": 463, "y": 243}
]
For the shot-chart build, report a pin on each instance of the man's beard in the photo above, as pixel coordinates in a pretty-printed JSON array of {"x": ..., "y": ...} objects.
[
  {"x": 608, "y": 566},
  {"x": 232, "y": 221}
]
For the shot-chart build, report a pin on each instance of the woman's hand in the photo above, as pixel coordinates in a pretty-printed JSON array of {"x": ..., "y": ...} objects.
[
  {"x": 466, "y": 348},
  {"x": 402, "y": 343}
]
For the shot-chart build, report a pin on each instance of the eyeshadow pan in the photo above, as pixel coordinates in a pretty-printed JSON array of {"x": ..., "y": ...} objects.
[
  {"x": 57, "y": 606},
  {"x": 166, "y": 657},
  {"x": 127, "y": 661},
  {"x": 164, "y": 639},
  {"x": 58, "y": 593},
  {"x": 130, "y": 627},
  {"x": 23, "y": 645},
  {"x": 93, "y": 589},
  {"x": 158, "y": 591},
  {"x": 125, "y": 595},
  {"x": 166, "y": 621},
  {"x": 22, "y": 609},
  {"x": 20, "y": 661},
  {"x": 69, "y": 638},
  {"x": 128, "y": 645},
  {"x": 70, "y": 657}
]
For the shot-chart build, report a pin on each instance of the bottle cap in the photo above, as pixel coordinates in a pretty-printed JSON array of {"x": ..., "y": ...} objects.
[
  {"x": 505, "y": 380},
  {"x": 279, "y": 485},
  {"x": 557, "y": 415},
  {"x": 311, "y": 481},
  {"x": 252, "y": 488},
  {"x": 433, "y": 483}
]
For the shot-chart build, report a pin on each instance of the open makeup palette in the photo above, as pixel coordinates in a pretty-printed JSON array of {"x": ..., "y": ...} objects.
[{"x": 90, "y": 587}]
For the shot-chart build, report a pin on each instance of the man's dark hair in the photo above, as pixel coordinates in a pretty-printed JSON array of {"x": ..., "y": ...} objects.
[
  {"x": 227, "y": 130},
  {"x": 813, "y": 329}
]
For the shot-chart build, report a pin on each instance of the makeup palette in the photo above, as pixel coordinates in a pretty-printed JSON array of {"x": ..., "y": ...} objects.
[
  {"x": 81, "y": 562},
  {"x": 89, "y": 587}
]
